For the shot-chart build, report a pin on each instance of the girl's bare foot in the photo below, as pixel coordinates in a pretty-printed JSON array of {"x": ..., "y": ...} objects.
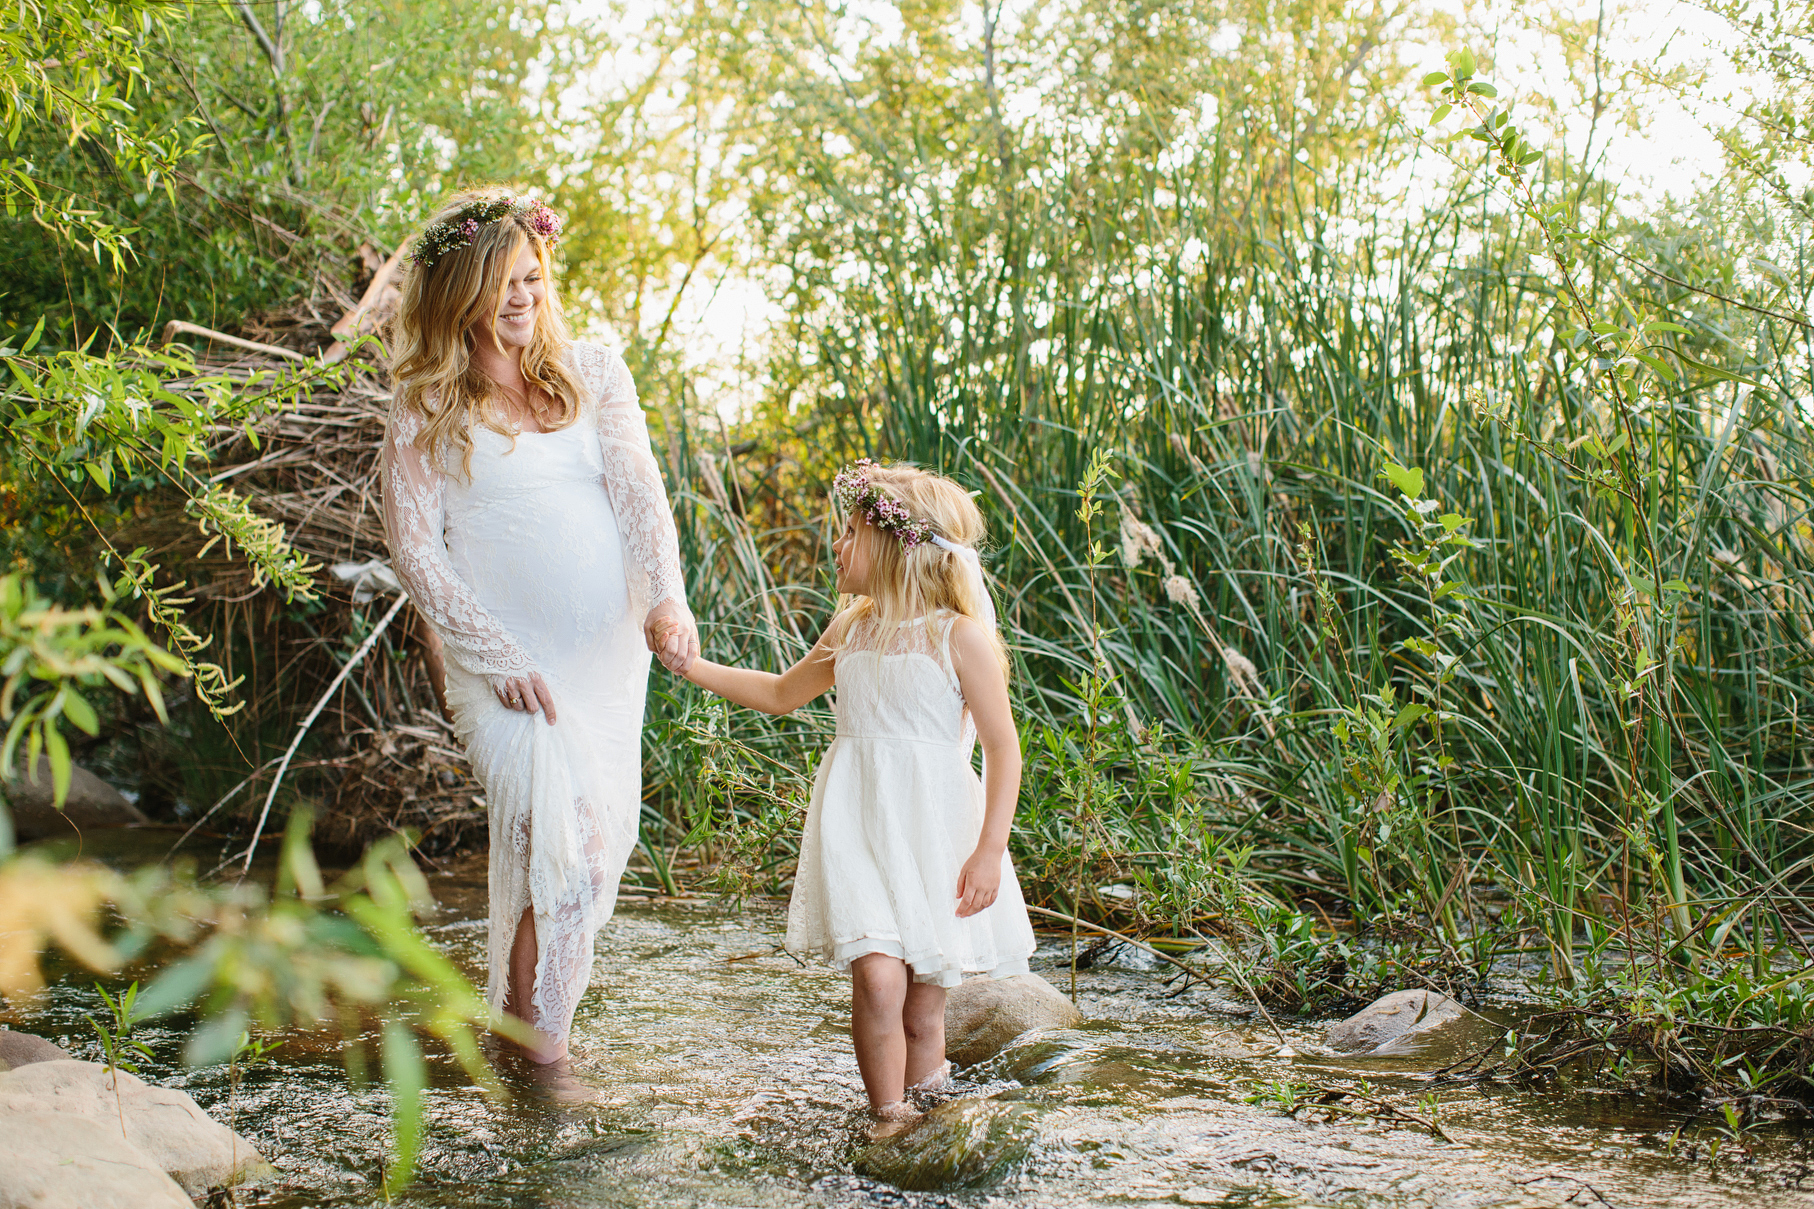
[
  {"x": 935, "y": 1081},
  {"x": 892, "y": 1118}
]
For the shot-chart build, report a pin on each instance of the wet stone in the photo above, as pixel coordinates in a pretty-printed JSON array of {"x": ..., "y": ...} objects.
[
  {"x": 23, "y": 1049},
  {"x": 92, "y": 803},
  {"x": 984, "y": 1015},
  {"x": 961, "y": 1144},
  {"x": 1405, "y": 1023}
]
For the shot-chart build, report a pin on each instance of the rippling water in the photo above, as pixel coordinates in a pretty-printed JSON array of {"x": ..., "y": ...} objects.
[{"x": 725, "y": 1077}]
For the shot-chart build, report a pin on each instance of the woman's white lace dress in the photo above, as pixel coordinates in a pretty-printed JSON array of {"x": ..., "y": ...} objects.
[
  {"x": 547, "y": 560},
  {"x": 896, "y": 811}
]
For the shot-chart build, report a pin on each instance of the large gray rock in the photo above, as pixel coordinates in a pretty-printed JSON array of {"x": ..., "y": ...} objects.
[
  {"x": 59, "y": 1160},
  {"x": 982, "y": 1015},
  {"x": 23, "y": 1049},
  {"x": 1399, "y": 1023},
  {"x": 196, "y": 1150},
  {"x": 92, "y": 803}
]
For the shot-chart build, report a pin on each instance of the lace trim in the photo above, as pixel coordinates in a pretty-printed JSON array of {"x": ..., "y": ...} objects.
[
  {"x": 632, "y": 476},
  {"x": 415, "y": 495}
]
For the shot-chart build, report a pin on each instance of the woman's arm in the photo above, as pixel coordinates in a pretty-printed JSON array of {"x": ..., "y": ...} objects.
[
  {"x": 766, "y": 691},
  {"x": 633, "y": 481},
  {"x": 985, "y": 691},
  {"x": 414, "y": 519}
]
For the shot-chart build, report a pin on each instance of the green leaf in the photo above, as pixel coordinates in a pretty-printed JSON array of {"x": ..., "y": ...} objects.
[
  {"x": 31, "y": 341},
  {"x": 1462, "y": 63},
  {"x": 407, "y": 1075},
  {"x": 1483, "y": 90},
  {"x": 1407, "y": 479},
  {"x": 1442, "y": 111},
  {"x": 1662, "y": 368},
  {"x": 1658, "y": 325},
  {"x": 1435, "y": 78},
  {"x": 61, "y": 768},
  {"x": 78, "y": 711},
  {"x": 1409, "y": 715},
  {"x": 1677, "y": 585},
  {"x": 1452, "y": 521}
]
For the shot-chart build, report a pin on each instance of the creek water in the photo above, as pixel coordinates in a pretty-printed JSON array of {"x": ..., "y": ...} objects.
[{"x": 724, "y": 1077}]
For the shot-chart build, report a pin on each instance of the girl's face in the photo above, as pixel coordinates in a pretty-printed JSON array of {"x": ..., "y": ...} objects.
[
  {"x": 854, "y": 558},
  {"x": 521, "y": 300}
]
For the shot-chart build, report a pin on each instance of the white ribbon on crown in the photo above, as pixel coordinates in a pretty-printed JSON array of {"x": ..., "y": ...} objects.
[{"x": 974, "y": 562}]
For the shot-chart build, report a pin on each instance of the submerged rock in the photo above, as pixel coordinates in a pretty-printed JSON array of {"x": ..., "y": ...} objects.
[
  {"x": 982, "y": 1015},
  {"x": 1400, "y": 1023},
  {"x": 92, "y": 803},
  {"x": 959, "y": 1144},
  {"x": 23, "y": 1049},
  {"x": 196, "y": 1150},
  {"x": 60, "y": 1158}
]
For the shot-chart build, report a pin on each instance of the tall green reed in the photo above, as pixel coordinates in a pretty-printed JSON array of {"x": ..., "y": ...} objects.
[{"x": 1600, "y": 747}]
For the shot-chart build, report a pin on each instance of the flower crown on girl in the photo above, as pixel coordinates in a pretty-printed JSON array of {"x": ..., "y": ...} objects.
[
  {"x": 459, "y": 228},
  {"x": 857, "y": 493}
]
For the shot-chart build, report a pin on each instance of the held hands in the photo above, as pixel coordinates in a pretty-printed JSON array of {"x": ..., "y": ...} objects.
[
  {"x": 671, "y": 634},
  {"x": 528, "y": 693},
  {"x": 979, "y": 883}
]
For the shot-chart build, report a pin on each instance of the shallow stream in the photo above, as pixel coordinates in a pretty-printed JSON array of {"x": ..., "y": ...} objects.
[{"x": 725, "y": 1077}]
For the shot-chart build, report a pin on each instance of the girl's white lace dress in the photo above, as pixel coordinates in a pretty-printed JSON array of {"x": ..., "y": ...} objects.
[
  {"x": 896, "y": 811},
  {"x": 546, "y": 559}
]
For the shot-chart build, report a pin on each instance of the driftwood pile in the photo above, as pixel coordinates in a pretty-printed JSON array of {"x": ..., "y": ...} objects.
[{"x": 378, "y": 756}]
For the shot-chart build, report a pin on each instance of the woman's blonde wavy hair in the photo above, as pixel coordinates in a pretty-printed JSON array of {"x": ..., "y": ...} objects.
[
  {"x": 910, "y": 584},
  {"x": 431, "y": 338}
]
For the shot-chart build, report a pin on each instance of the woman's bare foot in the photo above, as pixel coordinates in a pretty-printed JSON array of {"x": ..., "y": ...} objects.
[{"x": 559, "y": 1083}]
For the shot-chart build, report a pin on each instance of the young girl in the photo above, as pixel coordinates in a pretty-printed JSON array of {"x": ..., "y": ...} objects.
[{"x": 904, "y": 876}]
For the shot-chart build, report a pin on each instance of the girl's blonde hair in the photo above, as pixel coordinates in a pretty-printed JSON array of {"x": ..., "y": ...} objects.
[
  {"x": 431, "y": 339},
  {"x": 907, "y": 584}
]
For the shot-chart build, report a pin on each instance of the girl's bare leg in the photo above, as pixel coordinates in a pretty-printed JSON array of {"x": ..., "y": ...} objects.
[
  {"x": 923, "y": 1022},
  {"x": 524, "y": 953},
  {"x": 878, "y": 993}
]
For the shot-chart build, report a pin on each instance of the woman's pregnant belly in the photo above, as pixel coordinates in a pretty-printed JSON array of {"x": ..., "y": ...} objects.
[{"x": 535, "y": 536}]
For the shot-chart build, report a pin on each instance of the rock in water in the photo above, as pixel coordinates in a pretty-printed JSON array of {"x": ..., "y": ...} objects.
[
  {"x": 23, "y": 1049},
  {"x": 196, "y": 1150},
  {"x": 92, "y": 803},
  {"x": 959, "y": 1144},
  {"x": 58, "y": 1158},
  {"x": 1396, "y": 1023},
  {"x": 982, "y": 1015}
]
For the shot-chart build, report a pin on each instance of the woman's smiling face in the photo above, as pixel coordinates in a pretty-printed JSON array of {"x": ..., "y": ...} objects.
[
  {"x": 852, "y": 554},
  {"x": 521, "y": 301}
]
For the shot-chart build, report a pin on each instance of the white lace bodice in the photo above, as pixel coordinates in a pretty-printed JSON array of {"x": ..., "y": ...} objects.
[
  {"x": 904, "y": 689},
  {"x": 424, "y": 507}
]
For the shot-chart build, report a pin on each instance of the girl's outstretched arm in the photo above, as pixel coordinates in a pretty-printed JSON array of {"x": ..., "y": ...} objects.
[
  {"x": 766, "y": 691},
  {"x": 985, "y": 690}
]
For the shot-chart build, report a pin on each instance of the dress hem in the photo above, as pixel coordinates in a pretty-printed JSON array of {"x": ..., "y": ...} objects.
[{"x": 928, "y": 966}]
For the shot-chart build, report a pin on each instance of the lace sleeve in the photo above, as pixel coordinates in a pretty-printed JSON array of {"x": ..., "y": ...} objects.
[
  {"x": 633, "y": 479},
  {"x": 414, "y": 495}
]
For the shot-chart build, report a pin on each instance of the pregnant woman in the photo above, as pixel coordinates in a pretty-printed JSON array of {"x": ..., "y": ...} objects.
[{"x": 527, "y": 520}]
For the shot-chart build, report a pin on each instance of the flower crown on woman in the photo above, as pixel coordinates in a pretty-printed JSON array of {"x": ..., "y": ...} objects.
[{"x": 457, "y": 230}]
